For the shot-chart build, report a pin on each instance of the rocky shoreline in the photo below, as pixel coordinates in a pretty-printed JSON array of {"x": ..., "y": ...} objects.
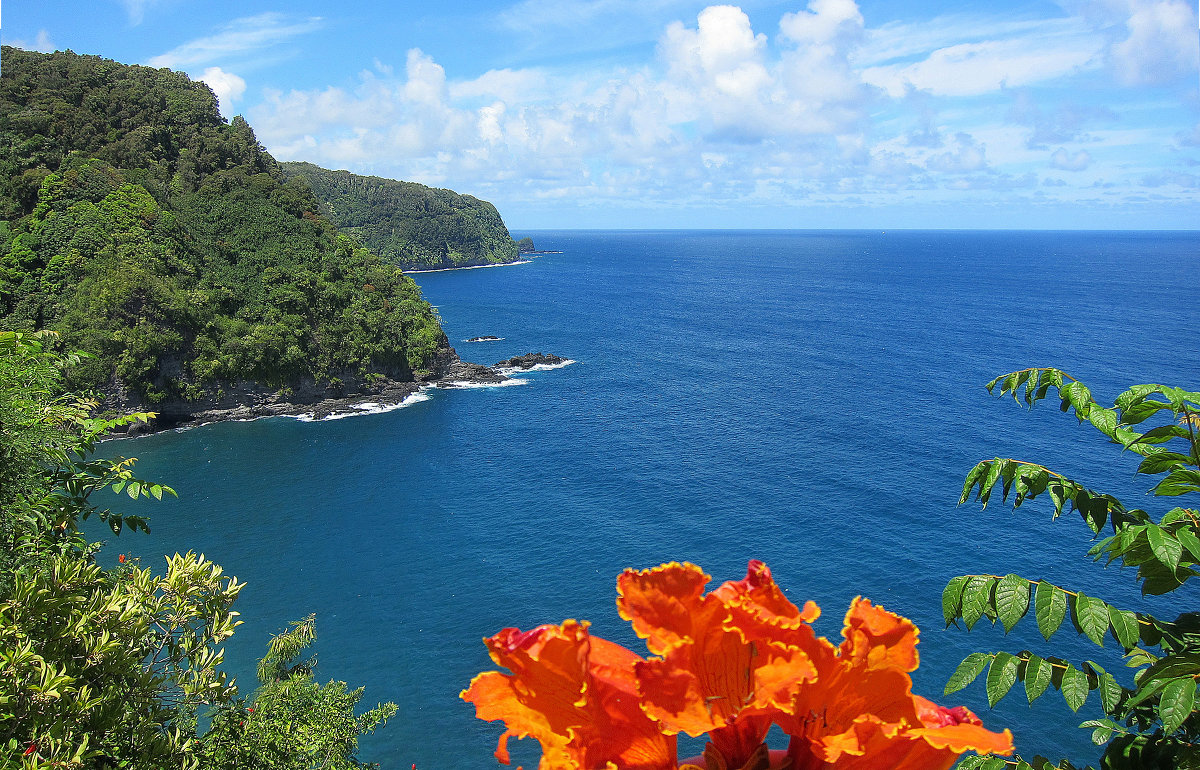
[{"x": 316, "y": 401}]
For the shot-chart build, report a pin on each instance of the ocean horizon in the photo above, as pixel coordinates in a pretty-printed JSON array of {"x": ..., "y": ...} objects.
[{"x": 810, "y": 398}]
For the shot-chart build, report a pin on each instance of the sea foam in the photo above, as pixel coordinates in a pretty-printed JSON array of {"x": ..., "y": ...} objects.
[{"x": 509, "y": 370}]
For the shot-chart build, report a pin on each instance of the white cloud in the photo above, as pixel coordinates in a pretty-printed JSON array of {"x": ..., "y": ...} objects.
[
  {"x": 506, "y": 84},
  {"x": 824, "y": 106},
  {"x": 227, "y": 86},
  {"x": 718, "y": 66},
  {"x": 1162, "y": 43},
  {"x": 1061, "y": 159},
  {"x": 964, "y": 155},
  {"x": 41, "y": 43},
  {"x": 248, "y": 35},
  {"x": 136, "y": 9},
  {"x": 977, "y": 68}
]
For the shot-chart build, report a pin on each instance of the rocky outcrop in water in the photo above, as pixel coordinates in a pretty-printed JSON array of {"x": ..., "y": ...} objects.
[{"x": 530, "y": 360}]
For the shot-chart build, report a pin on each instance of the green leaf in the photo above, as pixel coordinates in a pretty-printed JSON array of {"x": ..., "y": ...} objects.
[
  {"x": 952, "y": 598},
  {"x": 1124, "y": 627},
  {"x": 976, "y": 598},
  {"x": 1002, "y": 675},
  {"x": 966, "y": 672},
  {"x": 1145, "y": 690},
  {"x": 1091, "y": 617},
  {"x": 1038, "y": 673},
  {"x": 1165, "y": 547},
  {"x": 1110, "y": 692},
  {"x": 1050, "y": 607},
  {"x": 1074, "y": 687},
  {"x": 1105, "y": 420},
  {"x": 1175, "y": 705},
  {"x": 1178, "y": 482},
  {"x": 1012, "y": 600},
  {"x": 1076, "y": 395},
  {"x": 1103, "y": 730},
  {"x": 1162, "y": 434},
  {"x": 1172, "y": 666},
  {"x": 1135, "y": 414},
  {"x": 1187, "y": 538},
  {"x": 1162, "y": 461}
]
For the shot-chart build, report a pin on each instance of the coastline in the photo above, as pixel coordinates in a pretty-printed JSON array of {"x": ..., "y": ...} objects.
[
  {"x": 383, "y": 395},
  {"x": 522, "y": 260},
  {"x": 467, "y": 267}
]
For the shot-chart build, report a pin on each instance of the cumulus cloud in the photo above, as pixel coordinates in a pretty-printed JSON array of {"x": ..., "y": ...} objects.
[
  {"x": 227, "y": 86},
  {"x": 1161, "y": 43},
  {"x": 1067, "y": 161},
  {"x": 820, "y": 105},
  {"x": 963, "y": 156},
  {"x": 250, "y": 35},
  {"x": 717, "y": 70}
]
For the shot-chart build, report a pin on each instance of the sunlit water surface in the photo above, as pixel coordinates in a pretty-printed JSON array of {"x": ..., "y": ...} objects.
[{"x": 811, "y": 399}]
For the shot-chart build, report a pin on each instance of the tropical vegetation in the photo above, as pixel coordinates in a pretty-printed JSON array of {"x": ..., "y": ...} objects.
[
  {"x": 409, "y": 224},
  {"x": 117, "y": 667},
  {"x": 170, "y": 247},
  {"x": 1152, "y": 720}
]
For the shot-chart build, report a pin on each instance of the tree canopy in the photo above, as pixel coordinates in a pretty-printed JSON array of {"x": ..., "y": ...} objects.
[
  {"x": 170, "y": 247},
  {"x": 409, "y": 224}
]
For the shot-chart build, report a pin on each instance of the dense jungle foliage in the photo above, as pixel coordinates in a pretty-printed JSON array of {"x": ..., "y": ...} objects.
[
  {"x": 168, "y": 245},
  {"x": 117, "y": 666},
  {"x": 414, "y": 226}
]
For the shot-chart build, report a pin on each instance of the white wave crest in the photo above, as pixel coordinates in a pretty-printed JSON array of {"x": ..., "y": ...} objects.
[
  {"x": 452, "y": 384},
  {"x": 509, "y": 370},
  {"x": 470, "y": 267},
  {"x": 368, "y": 407}
]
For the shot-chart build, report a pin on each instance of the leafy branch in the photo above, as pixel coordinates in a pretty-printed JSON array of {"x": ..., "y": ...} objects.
[{"x": 1155, "y": 723}]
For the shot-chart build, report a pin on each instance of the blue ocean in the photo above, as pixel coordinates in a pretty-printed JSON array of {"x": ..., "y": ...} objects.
[{"x": 811, "y": 399}]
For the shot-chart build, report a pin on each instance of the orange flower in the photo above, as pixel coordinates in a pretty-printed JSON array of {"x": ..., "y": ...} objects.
[
  {"x": 728, "y": 663},
  {"x": 860, "y": 713},
  {"x": 711, "y": 677},
  {"x": 576, "y": 694}
]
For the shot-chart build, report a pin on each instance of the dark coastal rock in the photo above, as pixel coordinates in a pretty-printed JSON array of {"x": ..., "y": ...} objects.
[
  {"x": 346, "y": 392},
  {"x": 530, "y": 360},
  {"x": 466, "y": 373}
]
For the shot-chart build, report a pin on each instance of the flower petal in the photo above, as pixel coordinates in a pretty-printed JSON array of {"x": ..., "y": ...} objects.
[
  {"x": 880, "y": 638},
  {"x": 661, "y": 603},
  {"x": 575, "y": 694}
]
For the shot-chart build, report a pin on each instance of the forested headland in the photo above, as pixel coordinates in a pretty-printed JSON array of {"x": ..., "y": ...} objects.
[
  {"x": 171, "y": 248},
  {"x": 409, "y": 224}
]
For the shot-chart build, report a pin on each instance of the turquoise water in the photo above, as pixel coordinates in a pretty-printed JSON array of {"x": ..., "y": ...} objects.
[{"x": 812, "y": 399}]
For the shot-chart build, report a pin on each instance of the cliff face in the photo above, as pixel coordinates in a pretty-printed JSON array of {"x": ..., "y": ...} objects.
[
  {"x": 170, "y": 247},
  {"x": 408, "y": 224}
]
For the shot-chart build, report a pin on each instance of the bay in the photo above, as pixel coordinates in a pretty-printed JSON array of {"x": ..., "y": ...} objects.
[{"x": 811, "y": 399}]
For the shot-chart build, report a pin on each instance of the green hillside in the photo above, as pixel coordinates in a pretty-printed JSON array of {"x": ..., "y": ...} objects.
[
  {"x": 170, "y": 246},
  {"x": 414, "y": 226}
]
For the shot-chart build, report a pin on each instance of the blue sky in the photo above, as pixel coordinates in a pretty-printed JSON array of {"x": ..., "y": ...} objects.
[{"x": 668, "y": 113}]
